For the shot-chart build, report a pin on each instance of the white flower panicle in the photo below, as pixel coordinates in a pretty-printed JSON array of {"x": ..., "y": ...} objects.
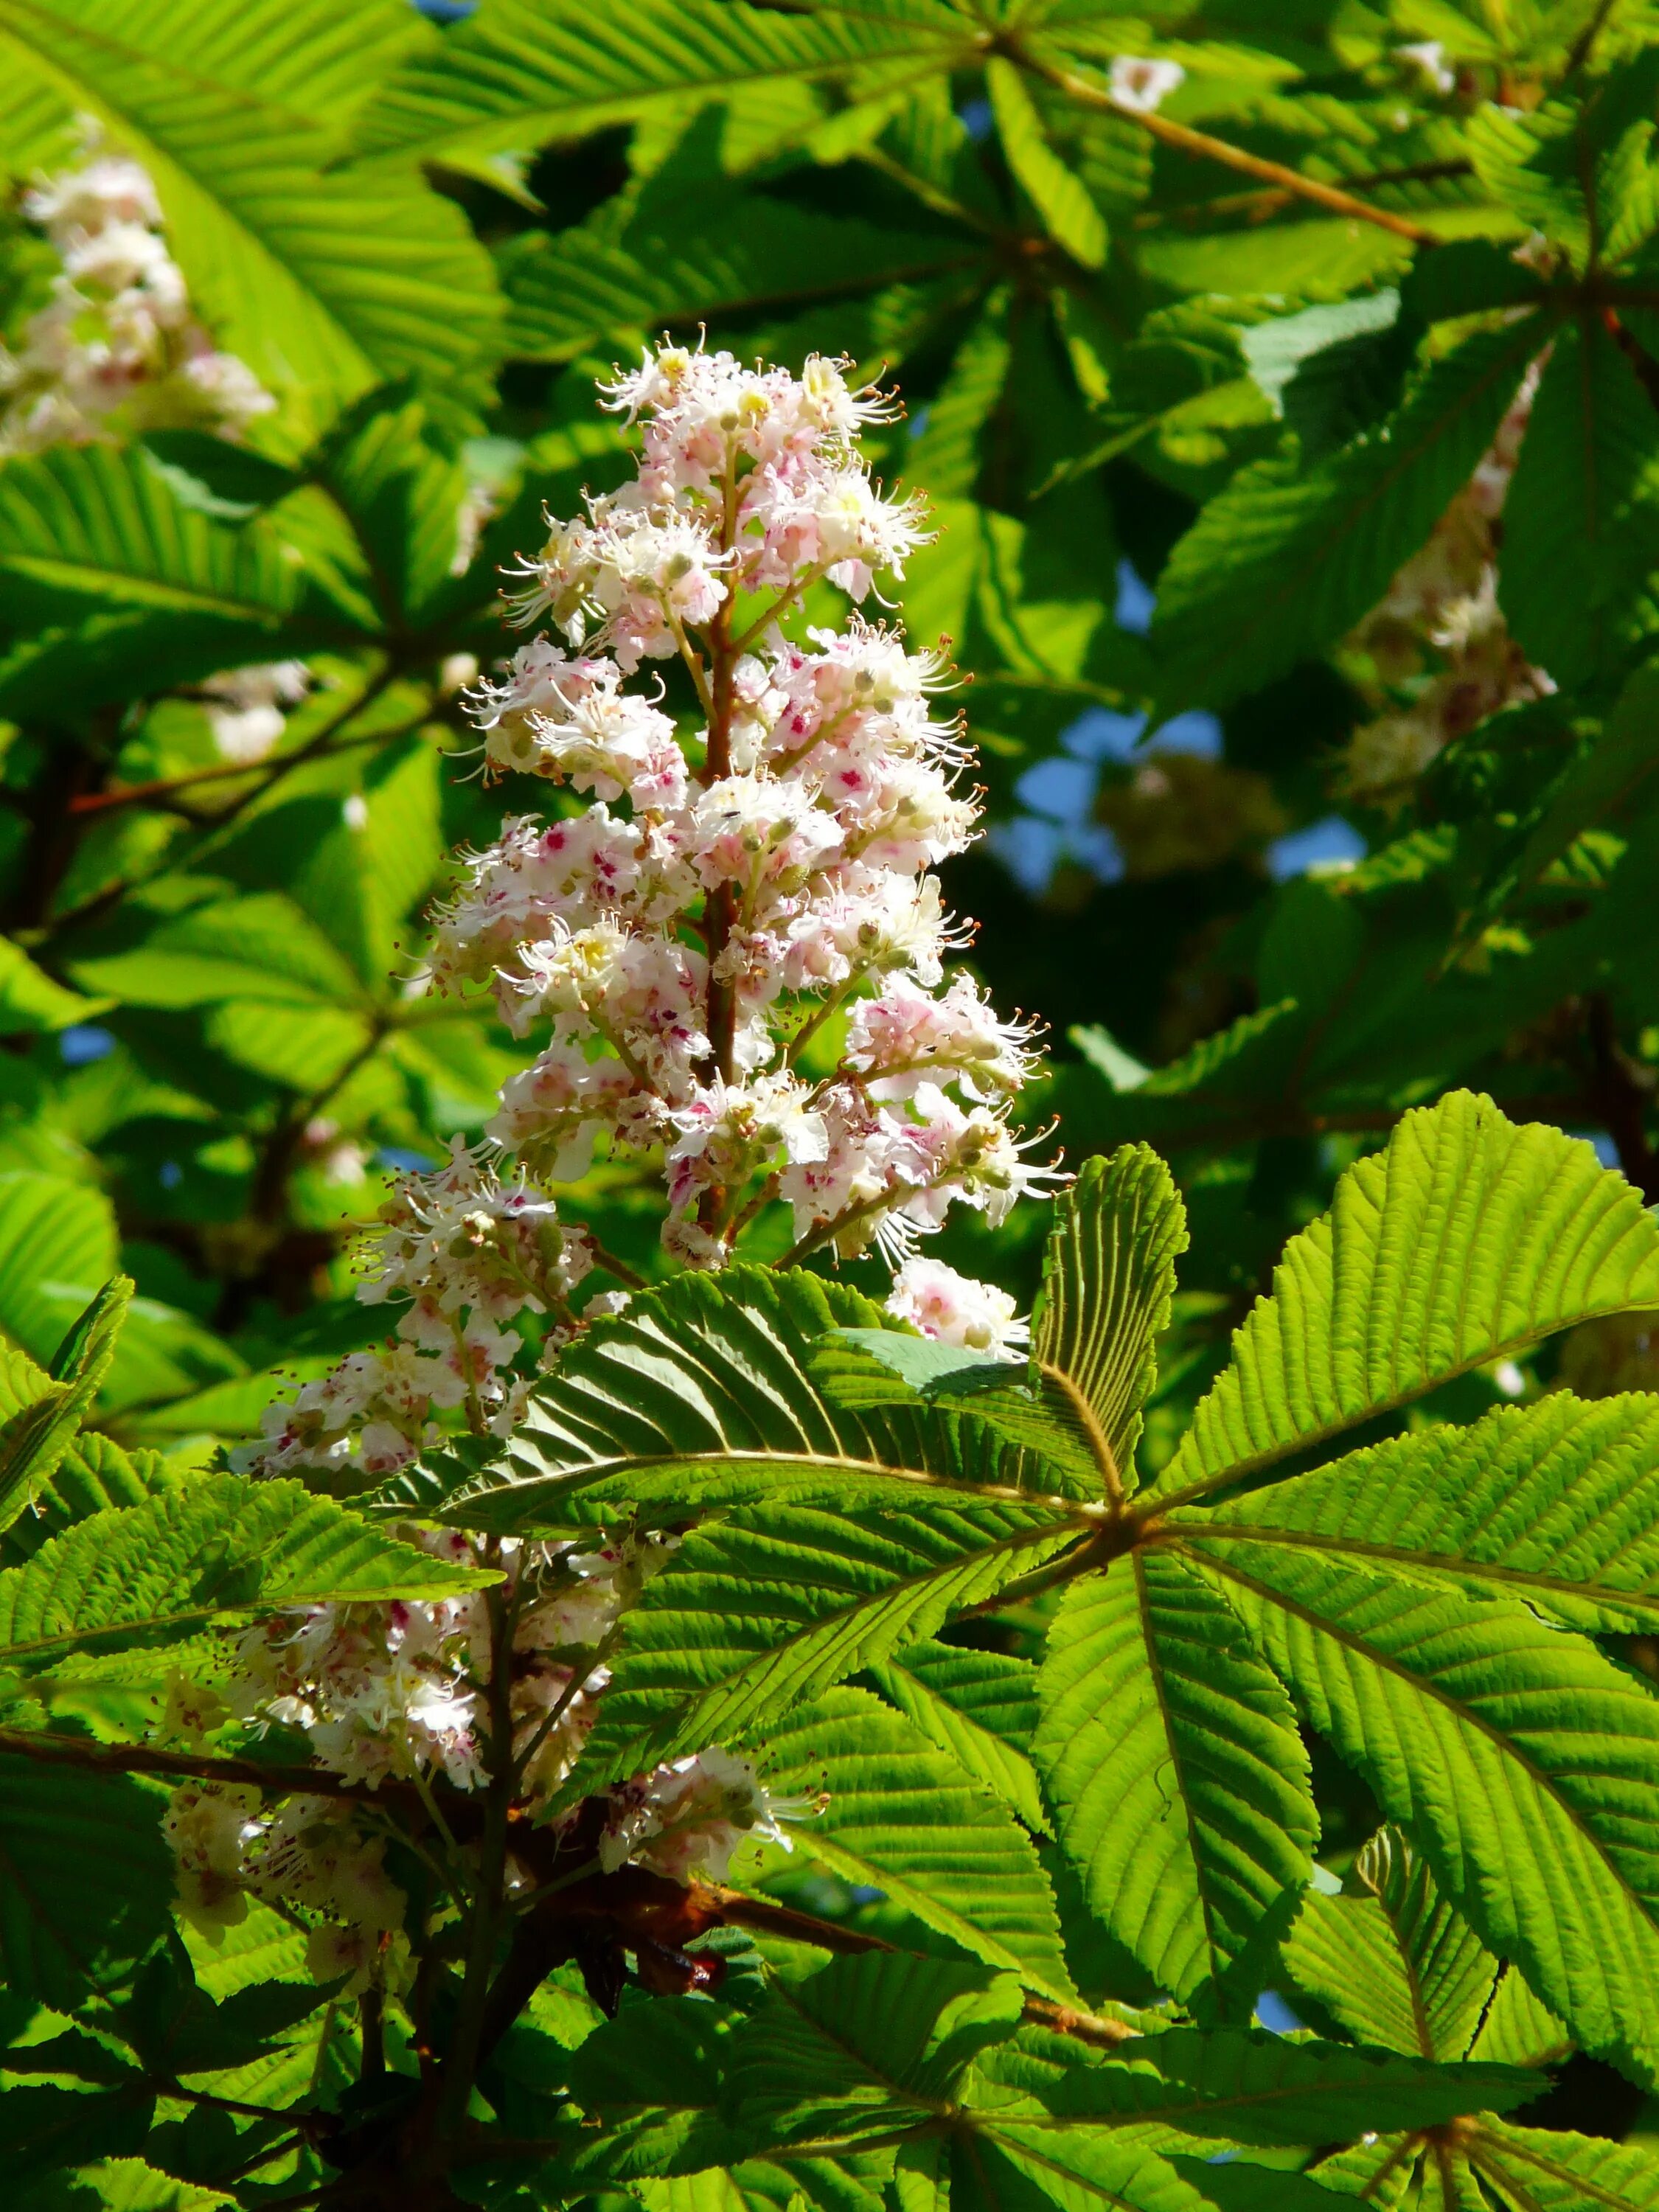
[
  {"x": 117, "y": 348},
  {"x": 729, "y": 947}
]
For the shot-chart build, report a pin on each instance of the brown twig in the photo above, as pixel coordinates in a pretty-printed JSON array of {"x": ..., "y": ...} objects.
[
  {"x": 137, "y": 795},
  {"x": 49, "y": 1750},
  {"x": 1203, "y": 148}
]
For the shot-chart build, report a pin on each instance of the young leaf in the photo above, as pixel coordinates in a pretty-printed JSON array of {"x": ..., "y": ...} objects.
[
  {"x": 1106, "y": 1289},
  {"x": 1170, "y": 1754},
  {"x": 1468, "y": 1238}
]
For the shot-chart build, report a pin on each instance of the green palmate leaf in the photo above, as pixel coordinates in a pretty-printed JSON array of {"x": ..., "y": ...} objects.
[
  {"x": 94, "y": 1472},
  {"x": 151, "y": 1573},
  {"x": 693, "y": 251},
  {"x": 1519, "y": 2030},
  {"x": 536, "y": 69},
  {"x": 867, "y": 2037},
  {"x": 58, "y": 1243},
  {"x": 905, "y": 1818},
  {"x": 946, "y": 457},
  {"x": 1544, "y": 2170},
  {"x": 1278, "y": 568},
  {"x": 1557, "y": 1502},
  {"x": 128, "y": 2185},
  {"x": 311, "y": 278},
  {"x": 1399, "y": 1967},
  {"x": 33, "y": 1442},
  {"x": 1465, "y": 1239},
  {"x": 1512, "y": 1753},
  {"x": 655, "y": 2078},
  {"x": 1233, "y": 2186},
  {"x": 1009, "y": 2166},
  {"x": 1170, "y": 1754},
  {"x": 42, "y": 2130},
  {"x": 86, "y": 1882},
  {"x": 980, "y": 1707},
  {"x": 1242, "y": 2086},
  {"x": 87, "y": 528},
  {"x": 1118, "y": 1232},
  {"x": 701, "y": 1391},
  {"x": 1057, "y": 192},
  {"x": 1590, "y": 440},
  {"x": 772, "y": 1604},
  {"x": 262, "y": 949},
  {"x": 110, "y": 568},
  {"x": 32, "y": 1004}
]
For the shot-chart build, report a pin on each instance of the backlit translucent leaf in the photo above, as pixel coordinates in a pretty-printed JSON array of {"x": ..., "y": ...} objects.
[
  {"x": 1515, "y": 1755},
  {"x": 1468, "y": 1238},
  {"x": 904, "y": 1818},
  {"x": 1170, "y": 1754}
]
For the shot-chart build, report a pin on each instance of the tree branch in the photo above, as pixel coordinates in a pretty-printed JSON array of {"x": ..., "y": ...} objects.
[
  {"x": 49, "y": 1750},
  {"x": 1203, "y": 148}
]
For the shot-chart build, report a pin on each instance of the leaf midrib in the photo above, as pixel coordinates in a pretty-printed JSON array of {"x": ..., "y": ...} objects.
[
  {"x": 69, "y": 574},
  {"x": 1156, "y": 1671},
  {"x": 1453, "y": 1566},
  {"x": 619, "y": 1468}
]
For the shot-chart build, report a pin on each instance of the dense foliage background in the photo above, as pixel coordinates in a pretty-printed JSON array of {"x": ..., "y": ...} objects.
[{"x": 1319, "y": 782}]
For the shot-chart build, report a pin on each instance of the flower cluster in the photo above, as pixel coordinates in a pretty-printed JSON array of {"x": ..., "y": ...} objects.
[
  {"x": 463, "y": 1252},
  {"x": 387, "y": 1693},
  {"x": 117, "y": 348},
  {"x": 729, "y": 948},
  {"x": 691, "y": 932},
  {"x": 733, "y": 945},
  {"x": 1439, "y": 636}
]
